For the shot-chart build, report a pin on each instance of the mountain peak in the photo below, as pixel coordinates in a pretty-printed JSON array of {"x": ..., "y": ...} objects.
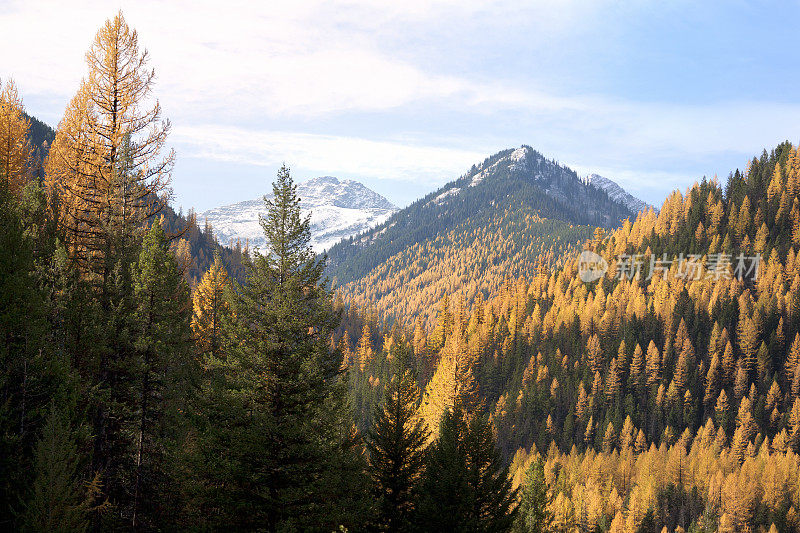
[
  {"x": 519, "y": 157},
  {"x": 338, "y": 208},
  {"x": 515, "y": 191},
  {"x": 324, "y": 180},
  {"x": 524, "y": 165},
  {"x": 347, "y": 194},
  {"x": 617, "y": 193}
]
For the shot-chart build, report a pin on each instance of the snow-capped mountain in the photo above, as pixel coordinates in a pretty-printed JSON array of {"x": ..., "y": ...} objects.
[
  {"x": 517, "y": 193},
  {"x": 551, "y": 178},
  {"x": 615, "y": 192},
  {"x": 502, "y": 219},
  {"x": 339, "y": 209}
]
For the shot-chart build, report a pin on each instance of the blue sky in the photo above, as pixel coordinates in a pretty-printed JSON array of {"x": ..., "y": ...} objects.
[{"x": 407, "y": 97}]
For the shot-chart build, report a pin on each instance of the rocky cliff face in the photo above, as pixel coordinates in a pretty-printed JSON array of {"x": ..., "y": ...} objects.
[{"x": 615, "y": 192}]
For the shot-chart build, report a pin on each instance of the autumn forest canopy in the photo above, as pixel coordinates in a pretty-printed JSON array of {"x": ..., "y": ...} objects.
[{"x": 447, "y": 371}]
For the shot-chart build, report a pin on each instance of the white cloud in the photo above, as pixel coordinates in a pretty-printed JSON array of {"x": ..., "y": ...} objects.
[
  {"x": 266, "y": 60},
  {"x": 393, "y": 160},
  {"x": 243, "y": 82}
]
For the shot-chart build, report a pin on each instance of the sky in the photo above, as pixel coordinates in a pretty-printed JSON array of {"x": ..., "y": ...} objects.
[{"x": 406, "y": 96}]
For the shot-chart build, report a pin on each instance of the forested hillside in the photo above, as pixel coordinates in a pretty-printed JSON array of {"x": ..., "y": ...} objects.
[
  {"x": 512, "y": 214},
  {"x": 671, "y": 398},
  {"x": 196, "y": 246},
  {"x": 132, "y": 401},
  {"x": 41, "y": 137},
  {"x": 515, "y": 352}
]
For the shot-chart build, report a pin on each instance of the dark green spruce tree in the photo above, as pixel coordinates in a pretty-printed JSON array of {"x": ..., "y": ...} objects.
[
  {"x": 32, "y": 372},
  {"x": 276, "y": 446},
  {"x": 466, "y": 487},
  {"x": 534, "y": 514},
  {"x": 58, "y": 499},
  {"x": 165, "y": 368},
  {"x": 396, "y": 443}
]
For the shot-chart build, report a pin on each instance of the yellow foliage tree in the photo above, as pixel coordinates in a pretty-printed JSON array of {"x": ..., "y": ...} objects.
[
  {"x": 15, "y": 148},
  {"x": 105, "y": 168},
  {"x": 209, "y": 308},
  {"x": 453, "y": 381}
]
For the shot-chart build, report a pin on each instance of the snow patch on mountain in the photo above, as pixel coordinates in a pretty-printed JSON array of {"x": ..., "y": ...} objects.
[
  {"x": 339, "y": 209},
  {"x": 520, "y": 161},
  {"x": 555, "y": 179},
  {"x": 617, "y": 193},
  {"x": 519, "y": 158},
  {"x": 449, "y": 192}
]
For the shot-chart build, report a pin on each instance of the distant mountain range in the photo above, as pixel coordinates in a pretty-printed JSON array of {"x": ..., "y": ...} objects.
[
  {"x": 339, "y": 209},
  {"x": 498, "y": 221}
]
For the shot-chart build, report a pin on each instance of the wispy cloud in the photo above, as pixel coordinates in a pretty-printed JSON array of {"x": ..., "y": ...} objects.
[
  {"x": 411, "y": 91},
  {"x": 391, "y": 160},
  {"x": 268, "y": 61}
]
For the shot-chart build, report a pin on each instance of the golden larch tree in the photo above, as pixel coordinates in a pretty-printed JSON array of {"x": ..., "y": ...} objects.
[
  {"x": 453, "y": 381},
  {"x": 106, "y": 168},
  {"x": 15, "y": 147},
  {"x": 209, "y": 308}
]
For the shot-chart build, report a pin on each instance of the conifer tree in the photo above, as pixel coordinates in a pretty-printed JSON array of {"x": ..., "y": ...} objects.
[
  {"x": 614, "y": 381},
  {"x": 594, "y": 353},
  {"x": 653, "y": 364},
  {"x": 15, "y": 148},
  {"x": 165, "y": 368},
  {"x": 29, "y": 372},
  {"x": 444, "y": 324},
  {"x": 741, "y": 382},
  {"x": 58, "y": 500},
  {"x": 792, "y": 359},
  {"x": 748, "y": 341},
  {"x": 728, "y": 364},
  {"x": 275, "y": 408},
  {"x": 396, "y": 445},
  {"x": 465, "y": 486},
  {"x": 105, "y": 168},
  {"x": 712, "y": 381},
  {"x": 452, "y": 382},
  {"x": 684, "y": 365},
  {"x": 637, "y": 378},
  {"x": 609, "y": 438},
  {"x": 534, "y": 515},
  {"x": 210, "y": 307},
  {"x": 105, "y": 178},
  {"x": 364, "y": 352},
  {"x": 722, "y": 410}
]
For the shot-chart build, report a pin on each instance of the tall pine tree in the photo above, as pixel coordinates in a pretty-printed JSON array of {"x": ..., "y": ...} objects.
[
  {"x": 164, "y": 358},
  {"x": 396, "y": 445},
  {"x": 466, "y": 487},
  {"x": 534, "y": 507},
  {"x": 276, "y": 443}
]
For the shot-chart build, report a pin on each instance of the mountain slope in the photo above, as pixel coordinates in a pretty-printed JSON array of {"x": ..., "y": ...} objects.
[
  {"x": 492, "y": 223},
  {"x": 200, "y": 246},
  {"x": 41, "y": 136},
  {"x": 689, "y": 385},
  {"x": 618, "y": 193},
  {"x": 339, "y": 209},
  {"x": 668, "y": 351}
]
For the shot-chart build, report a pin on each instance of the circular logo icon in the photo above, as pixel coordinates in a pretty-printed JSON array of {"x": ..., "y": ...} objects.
[{"x": 591, "y": 266}]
